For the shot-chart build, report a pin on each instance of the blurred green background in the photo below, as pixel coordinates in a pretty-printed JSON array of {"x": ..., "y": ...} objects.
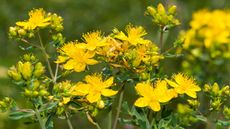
[{"x": 81, "y": 16}]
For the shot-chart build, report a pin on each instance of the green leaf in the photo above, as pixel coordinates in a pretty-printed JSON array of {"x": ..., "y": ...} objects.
[
  {"x": 23, "y": 113},
  {"x": 201, "y": 118},
  {"x": 223, "y": 123},
  {"x": 47, "y": 106}
]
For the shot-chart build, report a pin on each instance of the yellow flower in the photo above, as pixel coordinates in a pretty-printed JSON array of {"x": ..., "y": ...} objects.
[
  {"x": 75, "y": 57},
  {"x": 153, "y": 96},
  {"x": 37, "y": 19},
  {"x": 134, "y": 35},
  {"x": 94, "y": 40},
  {"x": 183, "y": 84},
  {"x": 94, "y": 88},
  {"x": 206, "y": 33}
]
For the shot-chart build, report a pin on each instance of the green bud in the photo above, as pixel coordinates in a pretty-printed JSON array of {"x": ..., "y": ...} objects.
[
  {"x": 27, "y": 70},
  {"x": 172, "y": 10},
  {"x": 36, "y": 84},
  {"x": 144, "y": 76},
  {"x": 27, "y": 93},
  {"x": 95, "y": 112},
  {"x": 35, "y": 93},
  {"x": 43, "y": 93},
  {"x": 21, "y": 32},
  {"x": 215, "y": 88},
  {"x": 13, "y": 31},
  {"x": 29, "y": 57},
  {"x": 216, "y": 104},
  {"x": 225, "y": 90},
  {"x": 39, "y": 69},
  {"x": 30, "y": 35},
  {"x": 226, "y": 112},
  {"x": 206, "y": 88},
  {"x": 152, "y": 11}
]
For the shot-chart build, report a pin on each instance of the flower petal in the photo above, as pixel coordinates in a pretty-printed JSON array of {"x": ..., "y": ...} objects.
[
  {"x": 93, "y": 97},
  {"x": 141, "y": 102},
  {"x": 108, "y": 92},
  {"x": 171, "y": 83},
  {"x": 155, "y": 106},
  {"x": 109, "y": 82}
]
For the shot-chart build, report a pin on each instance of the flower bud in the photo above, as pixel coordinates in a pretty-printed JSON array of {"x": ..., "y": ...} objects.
[
  {"x": 21, "y": 32},
  {"x": 39, "y": 69},
  {"x": 225, "y": 90},
  {"x": 152, "y": 11},
  {"x": 216, "y": 104},
  {"x": 14, "y": 74},
  {"x": 226, "y": 112},
  {"x": 172, "y": 10},
  {"x": 35, "y": 93},
  {"x": 100, "y": 104},
  {"x": 43, "y": 93},
  {"x": 215, "y": 88},
  {"x": 27, "y": 70},
  {"x": 206, "y": 88},
  {"x": 27, "y": 93},
  {"x": 30, "y": 35},
  {"x": 13, "y": 31},
  {"x": 161, "y": 9},
  {"x": 29, "y": 57},
  {"x": 20, "y": 67},
  {"x": 35, "y": 84}
]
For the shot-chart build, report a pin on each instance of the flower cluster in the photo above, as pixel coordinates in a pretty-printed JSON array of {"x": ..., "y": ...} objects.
[
  {"x": 129, "y": 50},
  {"x": 209, "y": 29},
  {"x": 153, "y": 95}
]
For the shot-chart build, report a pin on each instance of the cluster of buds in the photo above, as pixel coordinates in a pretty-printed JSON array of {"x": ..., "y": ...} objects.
[
  {"x": 185, "y": 114},
  {"x": 217, "y": 95},
  {"x": 6, "y": 104},
  {"x": 18, "y": 32},
  {"x": 62, "y": 93},
  {"x": 194, "y": 103},
  {"x": 162, "y": 17},
  {"x": 29, "y": 73},
  {"x": 27, "y": 69},
  {"x": 56, "y": 22}
]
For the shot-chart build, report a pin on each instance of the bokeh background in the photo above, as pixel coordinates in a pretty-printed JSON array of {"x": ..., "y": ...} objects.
[{"x": 81, "y": 16}]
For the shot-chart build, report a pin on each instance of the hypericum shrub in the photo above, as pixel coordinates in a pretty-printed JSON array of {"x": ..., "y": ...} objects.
[
  {"x": 129, "y": 61},
  {"x": 207, "y": 45}
]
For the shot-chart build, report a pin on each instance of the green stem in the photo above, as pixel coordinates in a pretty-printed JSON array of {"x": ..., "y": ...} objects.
[
  {"x": 42, "y": 124},
  {"x": 68, "y": 121},
  {"x": 110, "y": 120},
  {"x": 97, "y": 125},
  {"x": 118, "y": 108},
  {"x": 161, "y": 38},
  {"x": 56, "y": 73},
  {"x": 46, "y": 56}
]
